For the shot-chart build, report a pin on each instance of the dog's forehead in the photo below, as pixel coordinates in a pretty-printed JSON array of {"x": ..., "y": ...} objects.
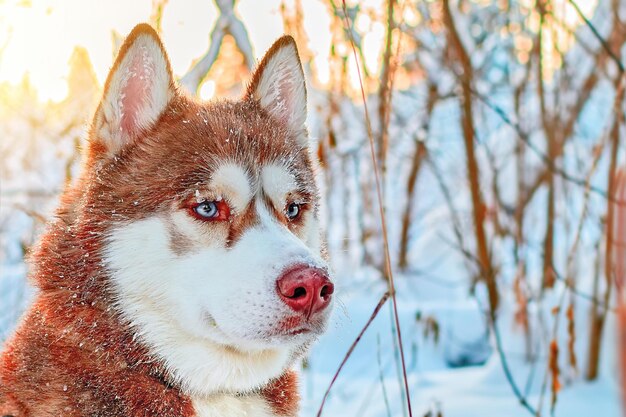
[
  {"x": 239, "y": 133},
  {"x": 246, "y": 126},
  {"x": 193, "y": 142}
]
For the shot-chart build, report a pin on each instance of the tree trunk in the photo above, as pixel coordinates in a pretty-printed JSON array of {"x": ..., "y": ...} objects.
[
  {"x": 599, "y": 310},
  {"x": 384, "y": 94},
  {"x": 416, "y": 164},
  {"x": 487, "y": 272}
]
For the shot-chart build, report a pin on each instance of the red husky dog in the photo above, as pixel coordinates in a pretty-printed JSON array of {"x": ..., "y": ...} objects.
[{"x": 183, "y": 274}]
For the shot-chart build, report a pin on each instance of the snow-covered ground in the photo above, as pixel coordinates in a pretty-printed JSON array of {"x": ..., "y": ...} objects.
[
  {"x": 475, "y": 391},
  {"x": 371, "y": 373}
]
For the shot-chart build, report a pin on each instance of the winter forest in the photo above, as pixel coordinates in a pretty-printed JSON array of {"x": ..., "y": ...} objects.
[{"x": 472, "y": 167}]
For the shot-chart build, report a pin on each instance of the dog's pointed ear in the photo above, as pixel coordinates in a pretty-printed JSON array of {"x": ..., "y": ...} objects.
[
  {"x": 138, "y": 89},
  {"x": 278, "y": 84}
]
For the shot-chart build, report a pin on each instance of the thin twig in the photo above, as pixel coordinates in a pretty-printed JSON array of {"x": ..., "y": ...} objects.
[
  {"x": 381, "y": 209},
  {"x": 381, "y": 375},
  {"x": 581, "y": 294},
  {"x": 602, "y": 41},
  {"x": 380, "y": 304},
  {"x": 447, "y": 195},
  {"x": 507, "y": 371},
  {"x": 545, "y": 158},
  {"x": 505, "y": 364}
]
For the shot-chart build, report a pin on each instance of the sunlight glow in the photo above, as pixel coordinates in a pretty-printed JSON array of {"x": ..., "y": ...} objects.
[{"x": 37, "y": 37}]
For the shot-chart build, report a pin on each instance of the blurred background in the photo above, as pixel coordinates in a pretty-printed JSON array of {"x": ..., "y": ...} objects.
[{"x": 498, "y": 129}]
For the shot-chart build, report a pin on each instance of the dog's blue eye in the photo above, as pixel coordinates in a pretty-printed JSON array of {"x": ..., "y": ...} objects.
[
  {"x": 293, "y": 211},
  {"x": 208, "y": 209}
]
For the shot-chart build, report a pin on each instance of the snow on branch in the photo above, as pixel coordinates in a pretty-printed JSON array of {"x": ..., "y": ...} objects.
[{"x": 228, "y": 23}]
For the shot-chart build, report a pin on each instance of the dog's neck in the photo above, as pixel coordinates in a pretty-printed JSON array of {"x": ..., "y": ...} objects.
[{"x": 278, "y": 398}]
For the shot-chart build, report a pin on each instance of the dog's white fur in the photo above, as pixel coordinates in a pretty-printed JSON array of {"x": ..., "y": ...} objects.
[
  {"x": 277, "y": 183},
  {"x": 224, "y": 405},
  {"x": 231, "y": 179}
]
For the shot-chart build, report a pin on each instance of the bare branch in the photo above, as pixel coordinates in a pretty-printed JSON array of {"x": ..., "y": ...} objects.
[
  {"x": 383, "y": 222},
  {"x": 604, "y": 43},
  {"x": 227, "y": 23},
  {"x": 380, "y": 305},
  {"x": 473, "y": 173}
]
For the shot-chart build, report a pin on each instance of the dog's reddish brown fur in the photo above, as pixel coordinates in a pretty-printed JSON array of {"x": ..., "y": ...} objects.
[{"x": 73, "y": 355}]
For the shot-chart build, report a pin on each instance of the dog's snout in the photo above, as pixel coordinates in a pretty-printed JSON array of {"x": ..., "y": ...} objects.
[{"x": 305, "y": 289}]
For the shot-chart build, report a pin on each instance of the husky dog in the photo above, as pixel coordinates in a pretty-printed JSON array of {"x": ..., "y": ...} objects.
[{"x": 183, "y": 274}]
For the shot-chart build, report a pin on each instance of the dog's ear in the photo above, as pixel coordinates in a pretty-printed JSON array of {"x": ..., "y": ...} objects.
[
  {"x": 137, "y": 90},
  {"x": 278, "y": 84}
]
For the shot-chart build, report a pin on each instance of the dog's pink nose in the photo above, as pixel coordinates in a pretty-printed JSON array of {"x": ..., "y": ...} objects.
[{"x": 306, "y": 290}]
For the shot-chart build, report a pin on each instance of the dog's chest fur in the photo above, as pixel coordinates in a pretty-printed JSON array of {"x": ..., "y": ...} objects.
[{"x": 227, "y": 405}]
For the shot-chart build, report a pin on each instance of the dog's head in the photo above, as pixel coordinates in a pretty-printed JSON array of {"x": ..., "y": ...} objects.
[{"x": 211, "y": 217}]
